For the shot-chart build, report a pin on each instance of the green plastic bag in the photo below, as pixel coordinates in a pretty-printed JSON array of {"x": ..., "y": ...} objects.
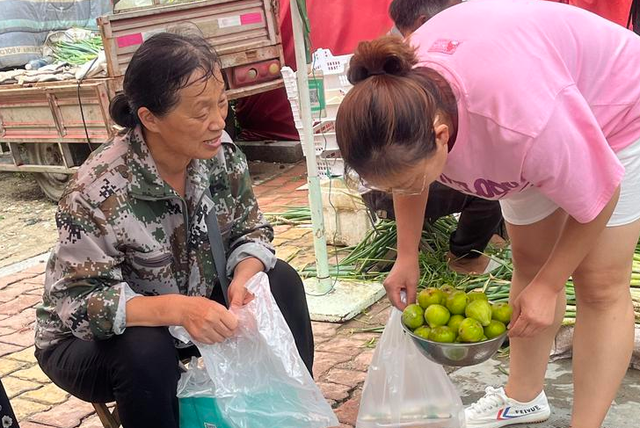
[{"x": 201, "y": 412}]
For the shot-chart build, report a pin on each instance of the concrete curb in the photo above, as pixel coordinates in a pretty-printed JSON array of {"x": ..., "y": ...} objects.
[{"x": 24, "y": 264}]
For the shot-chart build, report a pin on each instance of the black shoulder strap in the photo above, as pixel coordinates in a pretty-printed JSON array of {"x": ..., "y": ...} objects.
[{"x": 217, "y": 249}]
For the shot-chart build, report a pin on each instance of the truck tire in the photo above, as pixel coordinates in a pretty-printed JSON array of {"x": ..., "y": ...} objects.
[{"x": 52, "y": 184}]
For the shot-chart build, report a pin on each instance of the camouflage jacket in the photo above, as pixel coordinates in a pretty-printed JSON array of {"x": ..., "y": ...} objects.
[{"x": 124, "y": 232}]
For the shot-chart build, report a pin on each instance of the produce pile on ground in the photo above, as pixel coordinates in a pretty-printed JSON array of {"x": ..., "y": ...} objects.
[
  {"x": 448, "y": 315},
  {"x": 374, "y": 256}
]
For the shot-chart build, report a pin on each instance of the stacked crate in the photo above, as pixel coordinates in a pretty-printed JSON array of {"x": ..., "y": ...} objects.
[{"x": 327, "y": 85}]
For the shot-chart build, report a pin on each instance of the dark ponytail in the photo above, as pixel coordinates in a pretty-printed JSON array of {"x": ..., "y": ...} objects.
[
  {"x": 385, "y": 122},
  {"x": 159, "y": 69}
]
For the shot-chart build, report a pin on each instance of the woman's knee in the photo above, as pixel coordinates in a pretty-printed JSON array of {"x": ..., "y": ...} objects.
[
  {"x": 146, "y": 353},
  {"x": 146, "y": 379},
  {"x": 601, "y": 287},
  {"x": 288, "y": 292},
  {"x": 284, "y": 271},
  {"x": 285, "y": 281}
]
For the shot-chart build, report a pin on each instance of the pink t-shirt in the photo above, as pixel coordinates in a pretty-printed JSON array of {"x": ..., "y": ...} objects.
[{"x": 547, "y": 94}]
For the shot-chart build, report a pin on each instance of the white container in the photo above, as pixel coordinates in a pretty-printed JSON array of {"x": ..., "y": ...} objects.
[
  {"x": 346, "y": 220},
  {"x": 330, "y": 167},
  {"x": 324, "y": 138},
  {"x": 333, "y": 69}
]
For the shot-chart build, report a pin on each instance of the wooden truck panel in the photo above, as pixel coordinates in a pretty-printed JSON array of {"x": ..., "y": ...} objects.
[
  {"x": 242, "y": 31},
  {"x": 54, "y": 113}
]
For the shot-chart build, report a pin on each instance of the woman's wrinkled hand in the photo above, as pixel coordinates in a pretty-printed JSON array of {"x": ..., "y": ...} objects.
[
  {"x": 238, "y": 294},
  {"x": 207, "y": 321}
]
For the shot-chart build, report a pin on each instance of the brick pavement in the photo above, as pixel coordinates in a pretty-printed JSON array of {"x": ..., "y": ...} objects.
[{"x": 342, "y": 352}]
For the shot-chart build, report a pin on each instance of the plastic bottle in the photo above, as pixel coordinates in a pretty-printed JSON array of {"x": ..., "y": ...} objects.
[{"x": 35, "y": 64}]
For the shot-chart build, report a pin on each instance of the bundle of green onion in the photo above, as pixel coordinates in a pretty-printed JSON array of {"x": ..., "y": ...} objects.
[
  {"x": 293, "y": 216},
  {"x": 371, "y": 259},
  {"x": 78, "y": 52}
]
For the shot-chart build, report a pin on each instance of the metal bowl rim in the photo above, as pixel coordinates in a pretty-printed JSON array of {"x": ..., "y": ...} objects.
[{"x": 461, "y": 345}]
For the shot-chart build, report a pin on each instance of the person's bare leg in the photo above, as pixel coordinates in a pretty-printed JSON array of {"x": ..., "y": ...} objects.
[
  {"x": 603, "y": 336},
  {"x": 531, "y": 246}
]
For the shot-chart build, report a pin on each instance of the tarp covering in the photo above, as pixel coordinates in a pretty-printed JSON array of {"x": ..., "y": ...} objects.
[
  {"x": 613, "y": 10},
  {"x": 338, "y": 25},
  {"x": 24, "y": 24}
]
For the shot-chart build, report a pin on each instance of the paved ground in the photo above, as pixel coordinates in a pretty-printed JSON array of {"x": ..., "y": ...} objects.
[
  {"x": 624, "y": 412},
  {"x": 343, "y": 353},
  {"x": 27, "y": 224}
]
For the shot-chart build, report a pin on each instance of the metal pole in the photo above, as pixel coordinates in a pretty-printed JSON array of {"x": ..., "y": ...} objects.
[{"x": 315, "y": 195}]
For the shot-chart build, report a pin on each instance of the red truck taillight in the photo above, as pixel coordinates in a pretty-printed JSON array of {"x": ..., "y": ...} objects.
[{"x": 253, "y": 74}]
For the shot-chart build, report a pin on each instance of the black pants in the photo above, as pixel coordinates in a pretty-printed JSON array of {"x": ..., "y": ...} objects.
[
  {"x": 634, "y": 16},
  {"x": 139, "y": 368},
  {"x": 479, "y": 218},
  {"x": 7, "y": 417}
]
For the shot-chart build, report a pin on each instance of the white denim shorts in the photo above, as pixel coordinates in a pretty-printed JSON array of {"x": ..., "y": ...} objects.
[{"x": 531, "y": 206}]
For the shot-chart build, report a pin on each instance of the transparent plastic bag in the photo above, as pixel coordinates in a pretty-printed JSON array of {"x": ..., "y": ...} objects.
[
  {"x": 404, "y": 389},
  {"x": 198, "y": 405},
  {"x": 255, "y": 379}
]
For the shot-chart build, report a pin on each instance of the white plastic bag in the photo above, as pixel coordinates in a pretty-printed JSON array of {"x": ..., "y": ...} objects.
[
  {"x": 405, "y": 389},
  {"x": 256, "y": 378}
]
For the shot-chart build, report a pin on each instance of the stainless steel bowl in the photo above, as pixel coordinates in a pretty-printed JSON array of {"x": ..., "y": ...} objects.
[{"x": 457, "y": 354}]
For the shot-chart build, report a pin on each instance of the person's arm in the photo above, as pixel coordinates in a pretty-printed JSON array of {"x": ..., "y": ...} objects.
[
  {"x": 249, "y": 248},
  {"x": 156, "y": 311},
  {"x": 534, "y": 309},
  {"x": 84, "y": 281},
  {"x": 251, "y": 234},
  {"x": 409, "y": 212},
  {"x": 206, "y": 321},
  {"x": 238, "y": 293}
]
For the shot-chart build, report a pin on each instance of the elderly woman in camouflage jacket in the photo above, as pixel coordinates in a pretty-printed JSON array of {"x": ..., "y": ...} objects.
[{"x": 133, "y": 255}]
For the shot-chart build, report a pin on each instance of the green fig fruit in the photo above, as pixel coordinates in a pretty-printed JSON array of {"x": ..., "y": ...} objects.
[
  {"x": 470, "y": 331},
  {"x": 442, "y": 334},
  {"x": 430, "y": 296},
  {"x": 494, "y": 329},
  {"x": 501, "y": 311},
  {"x": 479, "y": 310},
  {"x": 477, "y": 295},
  {"x": 413, "y": 316},
  {"x": 447, "y": 289},
  {"x": 457, "y": 302},
  {"x": 454, "y": 322},
  {"x": 436, "y": 315},
  {"x": 422, "y": 331}
]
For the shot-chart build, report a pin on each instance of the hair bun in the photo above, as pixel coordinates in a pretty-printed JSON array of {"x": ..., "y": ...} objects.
[
  {"x": 120, "y": 111},
  {"x": 386, "y": 55}
]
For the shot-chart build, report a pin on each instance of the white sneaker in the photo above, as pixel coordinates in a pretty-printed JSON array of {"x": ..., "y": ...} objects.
[{"x": 496, "y": 410}]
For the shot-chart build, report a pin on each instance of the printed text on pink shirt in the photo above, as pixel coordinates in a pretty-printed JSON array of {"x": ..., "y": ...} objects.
[{"x": 482, "y": 187}]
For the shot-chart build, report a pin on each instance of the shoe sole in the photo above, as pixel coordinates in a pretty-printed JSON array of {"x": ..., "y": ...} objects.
[{"x": 517, "y": 423}]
